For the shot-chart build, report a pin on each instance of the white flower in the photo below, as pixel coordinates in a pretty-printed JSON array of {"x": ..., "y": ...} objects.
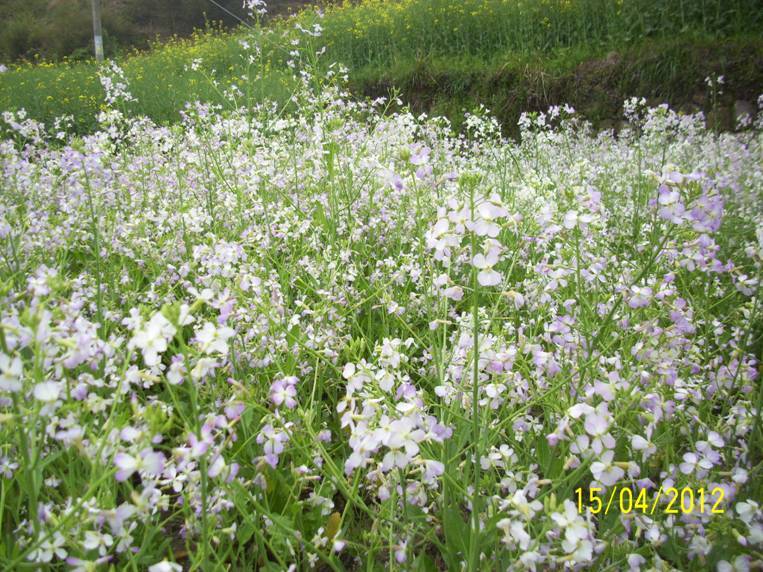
[
  {"x": 489, "y": 278},
  {"x": 212, "y": 339},
  {"x": 385, "y": 380},
  {"x": 740, "y": 564},
  {"x": 579, "y": 409},
  {"x": 482, "y": 261},
  {"x": 403, "y": 441},
  {"x": 747, "y": 510},
  {"x": 739, "y": 475},
  {"x": 605, "y": 471},
  {"x": 175, "y": 373},
  {"x": 573, "y": 219},
  {"x": 203, "y": 367},
  {"x": 647, "y": 448},
  {"x": 152, "y": 338},
  {"x": 577, "y": 532},
  {"x": 635, "y": 561},
  {"x": 486, "y": 228},
  {"x": 10, "y": 373},
  {"x": 487, "y": 212},
  {"x": 49, "y": 548},
  {"x": 514, "y": 533},
  {"x": 455, "y": 293},
  {"x": 526, "y": 508},
  {"x": 149, "y": 462},
  {"x": 348, "y": 371},
  {"x": 97, "y": 540},
  {"x": 185, "y": 318},
  {"x": 692, "y": 461},
  {"x": 47, "y": 391},
  {"x": 165, "y": 566},
  {"x": 485, "y": 262}
]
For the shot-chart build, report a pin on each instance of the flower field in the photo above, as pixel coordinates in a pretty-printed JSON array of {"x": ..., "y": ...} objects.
[
  {"x": 443, "y": 56},
  {"x": 344, "y": 339}
]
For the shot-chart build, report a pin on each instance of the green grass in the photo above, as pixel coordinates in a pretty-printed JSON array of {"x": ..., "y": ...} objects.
[
  {"x": 160, "y": 80},
  {"x": 319, "y": 240},
  {"x": 594, "y": 82},
  {"x": 326, "y": 247},
  {"x": 444, "y": 55},
  {"x": 378, "y": 32}
]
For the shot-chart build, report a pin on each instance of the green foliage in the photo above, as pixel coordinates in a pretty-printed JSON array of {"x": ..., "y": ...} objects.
[
  {"x": 39, "y": 29},
  {"x": 382, "y": 33},
  {"x": 594, "y": 82},
  {"x": 56, "y": 29},
  {"x": 444, "y": 56}
]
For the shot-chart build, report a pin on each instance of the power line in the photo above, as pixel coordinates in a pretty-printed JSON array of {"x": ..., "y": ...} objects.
[{"x": 224, "y": 9}]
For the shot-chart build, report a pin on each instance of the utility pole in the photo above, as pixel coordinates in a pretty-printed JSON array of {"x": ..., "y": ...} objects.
[{"x": 97, "y": 33}]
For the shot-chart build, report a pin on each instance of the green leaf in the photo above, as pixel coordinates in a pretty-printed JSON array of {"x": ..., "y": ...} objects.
[
  {"x": 424, "y": 563},
  {"x": 456, "y": 532},
  {"x": 245, "y": 532}
]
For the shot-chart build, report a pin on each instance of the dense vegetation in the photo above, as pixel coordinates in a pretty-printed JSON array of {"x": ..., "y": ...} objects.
[
  {"x": 445, "y": 56},
  {"x": 345, "y": 338},
  {"x": 251, "y": 321},
  {"x": 55, "y": 29}
]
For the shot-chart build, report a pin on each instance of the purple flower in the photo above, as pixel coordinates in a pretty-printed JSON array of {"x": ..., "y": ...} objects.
[
  {"x": 640, "y": 297},
  {"x": 284, "y": 391},
  {"x": 273, "y": 442},
  {"x": 148, "y": 461}
]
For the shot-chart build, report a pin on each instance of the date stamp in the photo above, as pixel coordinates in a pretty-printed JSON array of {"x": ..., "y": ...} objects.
[{"x": 687, "y": 500}]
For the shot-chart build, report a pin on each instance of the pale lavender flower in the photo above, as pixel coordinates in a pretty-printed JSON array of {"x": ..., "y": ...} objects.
[
  {"x": 148, "y": 461},
  {"x": 11, "y": 370},
  {"x": 284, "y": 391},
  {"x": 165, "y": 566}
]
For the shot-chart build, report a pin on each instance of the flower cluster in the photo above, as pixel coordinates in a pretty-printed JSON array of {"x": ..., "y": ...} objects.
[
  {"x": 483, "y": 218},
  {"x": 388, "y": 423},
  {"x": 327, "y": 334}
]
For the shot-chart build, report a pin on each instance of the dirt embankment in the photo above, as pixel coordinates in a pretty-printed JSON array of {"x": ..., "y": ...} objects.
[{"x": 662, "y": 72}]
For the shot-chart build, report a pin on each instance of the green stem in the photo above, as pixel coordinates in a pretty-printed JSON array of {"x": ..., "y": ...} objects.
[
  {"x": 204, "y": 532},
  {"x": 30, "y": 480},
  {"x": 474, "y": 551}
]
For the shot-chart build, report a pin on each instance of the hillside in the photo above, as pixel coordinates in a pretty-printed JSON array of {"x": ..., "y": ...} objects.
[
  {"x": 56, "y": 29},
  {"x": 444, "y": 57}
]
